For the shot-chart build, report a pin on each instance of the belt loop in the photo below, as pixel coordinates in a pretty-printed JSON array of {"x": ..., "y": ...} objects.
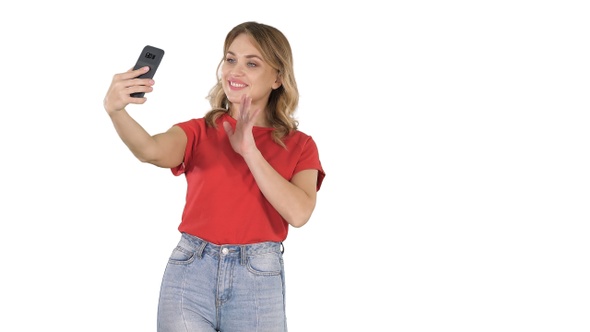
[
  {"x": 282, "y": 248},
  {"x": 243, "y": 255},
  {"x": 201, "y": 248}
]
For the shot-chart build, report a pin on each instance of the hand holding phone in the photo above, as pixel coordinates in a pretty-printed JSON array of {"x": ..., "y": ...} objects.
[{"x": 150, "y": 56}]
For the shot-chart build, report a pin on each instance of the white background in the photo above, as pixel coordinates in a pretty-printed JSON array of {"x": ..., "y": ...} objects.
[{"x": 454, "y": 134}]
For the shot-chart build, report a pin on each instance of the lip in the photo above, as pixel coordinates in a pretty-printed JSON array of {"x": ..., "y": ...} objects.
[{"x": 236, "y": 85}]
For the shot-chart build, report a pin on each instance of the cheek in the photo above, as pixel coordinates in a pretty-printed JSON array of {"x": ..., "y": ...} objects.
[{"x": 222, "y": 73}]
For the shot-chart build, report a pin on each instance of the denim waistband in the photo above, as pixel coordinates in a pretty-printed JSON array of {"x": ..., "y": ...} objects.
[{"x": 204, "y": 247}]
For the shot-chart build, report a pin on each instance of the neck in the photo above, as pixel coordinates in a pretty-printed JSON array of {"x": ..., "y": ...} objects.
[{"x": 260, "y": 120}]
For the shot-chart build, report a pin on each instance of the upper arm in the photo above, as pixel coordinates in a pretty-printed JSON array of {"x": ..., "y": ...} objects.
[
  {"x": 306, "y": 180},
  {"x": 170, "y": 148}
]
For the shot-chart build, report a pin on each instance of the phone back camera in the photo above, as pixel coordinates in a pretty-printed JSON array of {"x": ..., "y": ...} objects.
[{"x": 150, "y": 55}]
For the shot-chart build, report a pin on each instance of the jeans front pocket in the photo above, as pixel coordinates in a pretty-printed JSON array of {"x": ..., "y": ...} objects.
[
  {"x": 183, "y": 254},
  {"x": 269, "y": 264}
]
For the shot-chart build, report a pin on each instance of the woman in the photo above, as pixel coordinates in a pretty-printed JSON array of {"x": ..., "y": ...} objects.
[{"x": 250, "y": 174}]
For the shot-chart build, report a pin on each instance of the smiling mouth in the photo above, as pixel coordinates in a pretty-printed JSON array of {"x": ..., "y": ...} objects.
[{"x": 237, "y": 85}]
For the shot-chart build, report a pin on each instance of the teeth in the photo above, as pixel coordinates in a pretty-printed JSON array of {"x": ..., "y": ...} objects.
[{"x": 237, "y": 85}]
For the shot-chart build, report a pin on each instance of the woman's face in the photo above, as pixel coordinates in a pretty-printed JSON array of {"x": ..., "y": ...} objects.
[{"x": 244, "y": 71}]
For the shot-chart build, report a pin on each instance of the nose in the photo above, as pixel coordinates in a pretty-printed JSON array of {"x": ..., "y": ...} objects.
[{"x": 238, "y": 69}]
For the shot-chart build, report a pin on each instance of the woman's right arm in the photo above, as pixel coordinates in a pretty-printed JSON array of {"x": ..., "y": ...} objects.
[{"x": 163, "y": 150}]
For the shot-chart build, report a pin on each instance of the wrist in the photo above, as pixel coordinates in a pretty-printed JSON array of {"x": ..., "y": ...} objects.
[
  {"x": 112, "y": 113},
  {"x": 251, "y": 154}
]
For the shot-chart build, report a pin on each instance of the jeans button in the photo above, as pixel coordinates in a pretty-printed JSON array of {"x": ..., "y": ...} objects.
[{"x": 224, "y": 251}]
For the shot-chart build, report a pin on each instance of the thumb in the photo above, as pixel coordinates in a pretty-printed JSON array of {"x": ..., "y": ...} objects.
[{"x": 227, "y": 127}]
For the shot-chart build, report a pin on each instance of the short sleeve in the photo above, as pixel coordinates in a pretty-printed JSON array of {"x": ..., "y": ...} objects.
[
  {"x": 310, "y": 159},
  {"x": 192, "y": 129}
]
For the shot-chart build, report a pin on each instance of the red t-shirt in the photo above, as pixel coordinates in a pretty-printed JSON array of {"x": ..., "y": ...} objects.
[{"x": 223, "y": 202}]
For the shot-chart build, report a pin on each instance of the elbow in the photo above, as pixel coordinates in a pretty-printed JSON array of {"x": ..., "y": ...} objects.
[
  {"x": 298, "y": 223},
  {"x": 140, "y": 155},
  {"x": 148, "y": 157},
  {"x": 300, "y": 218},
  {"x": 144, "y": 159},
  {"x": 299, "y": 211}
]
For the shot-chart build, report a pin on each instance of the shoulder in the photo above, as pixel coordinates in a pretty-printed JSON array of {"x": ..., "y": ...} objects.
[
  {"x": 300, "y": 141},
  {"x": 298, "y": 136},
  {"x": 191, "y": 123}
]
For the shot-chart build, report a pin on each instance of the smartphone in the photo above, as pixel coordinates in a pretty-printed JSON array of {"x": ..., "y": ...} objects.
[{"x": 150, "y": 56}]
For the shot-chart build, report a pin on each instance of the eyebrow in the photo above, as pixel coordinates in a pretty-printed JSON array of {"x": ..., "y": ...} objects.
[{"x": 250, "y": 56}]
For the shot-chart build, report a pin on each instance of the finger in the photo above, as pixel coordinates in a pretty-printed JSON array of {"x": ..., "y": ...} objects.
[
  {"x": 127, "y": 98},
  {"x": 138, "y": 88},
  {"x": 131, "y": 73},
  {"x": 128, "y": 75},
  {"x": 245, "y": 106},
  {"x": 140, "y": 82},
  {"x": 132, "y": 83},
  {"x": 137, "y": 100},
  {"x": 227, "y": 127}
]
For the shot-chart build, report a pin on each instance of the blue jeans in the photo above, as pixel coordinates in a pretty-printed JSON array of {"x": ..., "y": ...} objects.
[{"x": 227, "y": 288}]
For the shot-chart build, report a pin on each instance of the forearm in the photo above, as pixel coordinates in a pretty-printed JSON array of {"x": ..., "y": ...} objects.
[
  {"x": 292, "y": 203},
  {"x": 135, "y": 137}
]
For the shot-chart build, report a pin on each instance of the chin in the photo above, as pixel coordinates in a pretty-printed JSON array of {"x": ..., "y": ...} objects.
[{"x": 234, "y": 99}]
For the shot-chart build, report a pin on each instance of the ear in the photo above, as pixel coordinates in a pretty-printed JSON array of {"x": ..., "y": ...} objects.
[{"x": 278, "y": 82}]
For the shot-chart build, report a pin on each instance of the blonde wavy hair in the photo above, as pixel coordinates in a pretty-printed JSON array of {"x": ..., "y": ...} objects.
[{"x": 283, "y": 101}]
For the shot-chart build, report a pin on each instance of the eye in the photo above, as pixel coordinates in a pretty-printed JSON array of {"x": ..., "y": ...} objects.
[
  {"x": 230, "y": 60},
  {"x": 252, "y": 64}
]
